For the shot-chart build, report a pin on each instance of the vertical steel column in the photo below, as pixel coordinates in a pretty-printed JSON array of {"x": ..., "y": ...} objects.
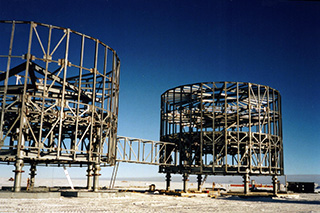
[
  {"x": 6, "y": 84},
  {"x": 275, "y": 185},
  {"x": 90, "y": 177},
  {"x": 201, "y": 131},
  {"x": 23, "y": 120},
  {"x": 199, "y": 182},
  {"x": 62, "y": 113},
  {"x": 79, "y": 95},
  {"x": 168, "y": 179},
  {"x": 102, "y": 101},
  {"x": 181, "y": 154},
  {"x": 281, "y": 136},
  {"x": 18, "y": 173},
  {"x": 45, "y": 92},
  {"x": 181, "y": 113},
  {"x": 94, "y": 134},
  {"x": 238, "y": 129},
  {"x": 250, "y": 129},
  {"x": 96, "y": 177},
  {"x": 269, "y": 111},
  {"x": 213, "y": 127},
  {"x": 259, "y": 115},
  {"x": 246, "y": 181},
  {"x": 185, "y": 182},
  {"x": 32, "y": 174},
  {"x": 225, "y": 128}
]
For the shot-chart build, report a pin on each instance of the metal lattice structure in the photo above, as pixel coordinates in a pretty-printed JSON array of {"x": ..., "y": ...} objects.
[
  {"x": 59, "y": 93},
  {"x": 222, "y": 128},
  {"x": 58, "y": 97},
  {"x": 135, "y": 150}
]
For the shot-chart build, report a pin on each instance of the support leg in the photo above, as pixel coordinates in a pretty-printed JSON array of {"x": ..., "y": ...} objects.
[
  {"x": 32, "y": 174},
  {"x": 96, "y": 177},
  {"x": 18, "y": 173},
  {"x": 168, "y": 179},
  {"x": 199, "y": 182},
  {"x": 90, "y": 177},
  {"x": 246, "y": 181},
  {"x": 185, "y": 181},
  {"x": 275, "y": 185}
]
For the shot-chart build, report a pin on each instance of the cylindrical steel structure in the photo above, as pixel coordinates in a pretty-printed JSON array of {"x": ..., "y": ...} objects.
[
  {"x": 59, "y": 94},
  {"x": 222, "y": 128}
]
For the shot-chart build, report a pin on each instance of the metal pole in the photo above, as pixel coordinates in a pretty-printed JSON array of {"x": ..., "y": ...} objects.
[
  {"x": 6, "y": 84},
  {"x": 275, "y": 185},
  {"x": 199, "y": 182},
  {"x": 96, "y": 177},
  {"x": 168, "y": 179},
  {"x": 23, "y": 120},
  {"x": 19, "y": 161},
  {"x": 89, "y": 177},
  {"x": 246, "y": 181},
  {"x": 32, "y": 174},
  {"x": 17, "y": 177},
  {"x": 185, "y": 182}
]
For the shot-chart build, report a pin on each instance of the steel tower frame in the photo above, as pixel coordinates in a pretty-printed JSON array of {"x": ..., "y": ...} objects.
[
  {"x": 222, "y": 128},
  {"x": 59, "y": 94}
]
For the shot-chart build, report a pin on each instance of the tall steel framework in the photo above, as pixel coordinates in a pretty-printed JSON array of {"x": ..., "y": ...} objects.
[
  {"x": 222, "y": 128},
  {"x": 58, "y": 99},
  {"x": 59, "y": 93}
]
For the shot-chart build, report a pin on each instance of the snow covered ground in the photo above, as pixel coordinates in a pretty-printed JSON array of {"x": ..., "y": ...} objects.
[{"x": 139, "y": 202}]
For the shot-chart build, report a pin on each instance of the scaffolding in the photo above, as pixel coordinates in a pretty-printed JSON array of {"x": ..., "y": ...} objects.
[
  {"x": 59, "y": 94},
  {"x": 222, "y": 128}
]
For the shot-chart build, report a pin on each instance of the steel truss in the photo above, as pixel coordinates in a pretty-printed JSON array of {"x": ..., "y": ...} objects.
[
  {"x": 59, "y": 94},
  {"x": 222, "y": 128},
  {"x": 135, "y": 150}
]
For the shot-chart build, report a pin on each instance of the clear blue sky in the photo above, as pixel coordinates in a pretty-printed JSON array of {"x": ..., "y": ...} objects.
[{"x": 163, "y": 44}]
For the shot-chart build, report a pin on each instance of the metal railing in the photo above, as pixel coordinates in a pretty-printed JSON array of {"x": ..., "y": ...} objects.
[{"x": 135, "y": 150}]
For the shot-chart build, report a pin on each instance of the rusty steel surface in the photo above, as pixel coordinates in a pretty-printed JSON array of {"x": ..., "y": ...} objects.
[
  {"x": 59, "y": 94},
  {"x": 222, "y": 128}
]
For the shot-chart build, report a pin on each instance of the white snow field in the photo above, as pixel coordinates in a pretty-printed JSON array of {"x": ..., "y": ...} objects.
[{"x": 145, "y": 202}]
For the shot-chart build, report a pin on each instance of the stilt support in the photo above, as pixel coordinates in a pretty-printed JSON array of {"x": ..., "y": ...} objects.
[
  {"x": 18, "y": 173},
  {"x": 246, "y": 181},
  {"x": 32, "y": 174},
  {"x": 90, "y": 177},
  {"x": 199, "y": 182},
  {"x": 168, "y": 179},
  {"x": 185, "y": 182},
  {"x": 96, "y": 177},
  {"x": 275, "y": 185}
]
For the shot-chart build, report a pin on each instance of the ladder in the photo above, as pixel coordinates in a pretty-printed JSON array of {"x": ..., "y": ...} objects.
[
  {"x": 204, "y": 180},
  {"x": 114, "y": 175}
]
